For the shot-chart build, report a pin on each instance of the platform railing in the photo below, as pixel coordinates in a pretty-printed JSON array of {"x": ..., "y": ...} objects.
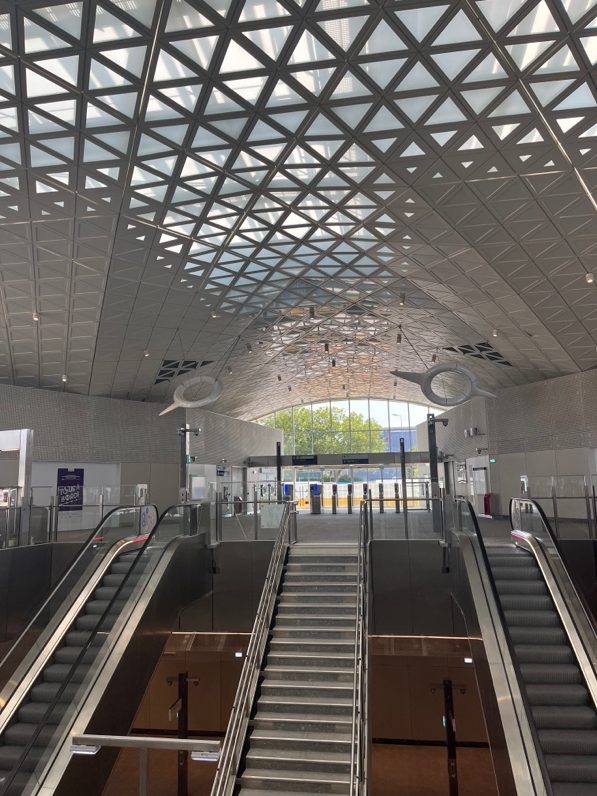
[{"x": 360, "y": 725}]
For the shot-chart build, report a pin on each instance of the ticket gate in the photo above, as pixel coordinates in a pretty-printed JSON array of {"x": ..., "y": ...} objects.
[
  {"x": 315, "y": 498},
  {"x": 289, "y": 492},
  {"x": 349, "y": 498},
  {"x": 381, "y": 503},
  {"x": 334, "y": 498}
]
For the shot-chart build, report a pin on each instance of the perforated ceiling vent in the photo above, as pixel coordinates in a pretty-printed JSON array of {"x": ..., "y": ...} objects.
[
  {"x": 171, "y": 368},
  {"x": 480, "y": 351}
]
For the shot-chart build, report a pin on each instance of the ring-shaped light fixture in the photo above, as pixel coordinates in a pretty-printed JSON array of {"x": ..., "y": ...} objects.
[
  {"x": 425, "y": 380},
  {"x": 179, "y": 401}
]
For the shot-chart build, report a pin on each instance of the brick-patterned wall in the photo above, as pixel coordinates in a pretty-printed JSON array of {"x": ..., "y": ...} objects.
[
  {"x": 79, "y": 428},
  {"x": 451, "y": 439},
  {"x": 224, "y": 437}
]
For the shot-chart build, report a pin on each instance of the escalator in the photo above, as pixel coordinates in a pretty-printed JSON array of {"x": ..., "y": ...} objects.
[
  {"x": 536, "y": 666},
  {"x": 74, "y": 667},
  {"x": 561, "y": 705}
]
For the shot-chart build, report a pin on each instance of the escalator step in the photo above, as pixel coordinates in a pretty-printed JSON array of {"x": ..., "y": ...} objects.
[
  {"x": 537, "y": 635},
  {"x": 92, "y": 621},
  {"x": 557, "y": 694},
  {"x": 520, "y": 586},
  {"x": 554, "y": 717},
  {"x": 20, "y": 734},
  {"x": 572, "y": 768},
  {"x": 544, "y": 653},
  {"x": 542, "y": 673},
  {"x": 525, "y": 573},
  {"x": 59, "y": 672},
  {"x": 120, "y": 567},
  {"x": 10, "y": 756},
  {"x": 34, "y": 712},
  {"x": 47, "y": 692},
  {"x": 79, "y": 638},
  {"x": 569, "y": 742},
  {"x": 573, "y": 789},
  {"x": 509, "y": 560},
  {"x": 526, "y": 602},
  {"x": 523, "y": 618},
  {"x": 71, "y": 654}
]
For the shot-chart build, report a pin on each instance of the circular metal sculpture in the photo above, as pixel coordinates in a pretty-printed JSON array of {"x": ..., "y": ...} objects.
[
  {"x": 179, "y": 401},
  {"x": 425, "y": 380}
]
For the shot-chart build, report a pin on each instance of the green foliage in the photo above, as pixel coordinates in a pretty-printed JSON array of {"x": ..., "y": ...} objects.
[{"x": 327, "y": 430}]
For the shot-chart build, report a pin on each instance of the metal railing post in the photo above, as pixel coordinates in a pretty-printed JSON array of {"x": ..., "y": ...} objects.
[
  {"x": 554, "y": 501},
  {"x": 590, "y": 526},
  {"x": 370, "y": 512},
  {"x": 255, "y": 516}
]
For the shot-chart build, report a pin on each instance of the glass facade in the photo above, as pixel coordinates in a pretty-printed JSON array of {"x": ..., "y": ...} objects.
[{"x": 355, "y": 425}]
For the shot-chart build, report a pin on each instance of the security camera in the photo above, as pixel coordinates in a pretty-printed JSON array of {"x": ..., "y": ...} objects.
[{"x": 445, "y": 421}]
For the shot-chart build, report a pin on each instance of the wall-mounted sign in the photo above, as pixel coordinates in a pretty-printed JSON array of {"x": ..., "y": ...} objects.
[
  {"x": 355, "y": 460},
  {"x": 305, "y": 458},
  {"x": 461, "y": 472},
  {"x": 220, "y": 471},
  {"x": 69, "y": 488},
  {"x": 492, "y": 460}
]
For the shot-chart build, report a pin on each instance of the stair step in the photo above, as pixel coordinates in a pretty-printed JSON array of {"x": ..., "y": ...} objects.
[
  {"x": 288, "y": 777},
  {"x": 326, "y": 727},
  {"x": 334, "y": 763},
  {"x": 264, "y": 740},
  {"x": 337, "y": 601},
  {"x": 322, "y": 693},
  {"x": 308, "y": 660},
  {"x": 289, "y": 645},
  {"x": 311, "y": 620},
  {"x": 310, "y": 633},
  {"x": 324, "y": 588},
  {"x": 303, "y": 709},
  {"x": 308, "y": 674}
]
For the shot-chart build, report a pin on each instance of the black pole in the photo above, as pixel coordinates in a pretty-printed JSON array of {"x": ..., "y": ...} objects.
[
  {"x": 183, "y": 732},
  {"x": 433, "y": 473},
  {"x": 403, "y": 474},
  {"x": 182, "y": 432},
  {"x": 279, "y": 469},
  {"x": 450, "y": 737}
]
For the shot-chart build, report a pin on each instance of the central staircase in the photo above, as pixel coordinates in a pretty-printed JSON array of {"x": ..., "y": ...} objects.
[{"x": 299, "y": 739}]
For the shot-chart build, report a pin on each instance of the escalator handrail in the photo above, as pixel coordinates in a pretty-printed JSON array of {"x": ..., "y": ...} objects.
[
  {"x": 232, "y": 746},
  {"x": 558, "y": 548},
  {"x": 7, "y": 784},
  {"x": 510, "y": 644},
  {"x": 85, "y": 547}
]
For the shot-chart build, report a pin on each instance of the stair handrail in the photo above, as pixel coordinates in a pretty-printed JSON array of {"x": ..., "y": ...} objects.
[
  {"x": 359, "y": 734},
  {"x": 232, "y": 748}
]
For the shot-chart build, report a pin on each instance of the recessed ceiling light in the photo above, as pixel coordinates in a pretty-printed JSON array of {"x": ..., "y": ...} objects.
[
  {"x": 494, "y": 333},
  {"x": 589, "y": 278},
  {"x": 64, "y": 377},
  {"x": 146, "y": 353},
  {"x": 35, "y": 316},
  {"x": 402, "y": 299}
]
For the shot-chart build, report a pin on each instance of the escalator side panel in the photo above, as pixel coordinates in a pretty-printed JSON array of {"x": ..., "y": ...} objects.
[{"x": 115, "y": 700}]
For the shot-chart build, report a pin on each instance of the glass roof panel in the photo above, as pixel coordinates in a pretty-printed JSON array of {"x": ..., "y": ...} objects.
[
  {"x": 384, "y": 39},
  {"x": 489, "y": 69},
  {"x": 65, "y": 16},
  {"x": 419, "y": 21},
  {"x": 309, "y": 50},
  {"x": 38, "y": 39},
  {"x": 110, "y": 28},
  {"x": 344, "y": 31},
  {"x": 237, "y": 59},
  {"x": 102, "y": 77},
  {"x": 497, "y": 14},
  {"x": 199, "y": 50},
  {"x": 577, "y": 8},
  {"x": 452, "y": 63},
  {"x": 539, "y": 20},
  {"x": 417, "y": 78},
  {"x": 270, "y": 40},
  {"x": 183, "y": 16},
  {"x": 460, "y": 29},
  {"x": 141, "y": 10},
  {"x": 39, "y": 86}
]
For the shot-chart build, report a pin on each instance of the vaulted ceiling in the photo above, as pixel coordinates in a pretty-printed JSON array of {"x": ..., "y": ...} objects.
[{"x": 297, "y": 196}]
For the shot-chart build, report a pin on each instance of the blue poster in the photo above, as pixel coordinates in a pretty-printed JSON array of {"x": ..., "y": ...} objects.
[{"x": 70, "y": 489}]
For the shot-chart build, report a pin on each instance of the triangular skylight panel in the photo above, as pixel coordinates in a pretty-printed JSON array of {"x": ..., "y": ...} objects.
[
  {"x": 513, "y": 105},
  {"x": 183, "y": 16},
  {"x": 270, "y": 40},
  {"x": 38, "y": 86},
  {"x": 534, "y": 137},
  {"x": 384, "y": 39},
  {"x": 199, "y": 50},
  {"x": 102, "y": 77},
  {"x": 66, "y": 17},
  {"x": 582, "y": 97},
  {"x": 110, "y": 28},
  {"x": 480, "y": 98},
  {"x": 548, "y": 90},
  {"x": 415, "y": 107},
  {"x": 344, "y": 31},
  {"x": 590, "y": 45},
  {"x": 131, "y": 59},
  {"x": 314, "y": 80},
  {"x": 309, "y": 50},
  {"x": 186, "y": 95},
  {"x": 489, "y": 69},
  {"x": 157, "y": 110},
  {"x": 419, "y": 21},
  {"x": 249, "y": 88},
  {"x": 504, "y": 130},
  {"x": 220, "y": 103},
  {"x": 452, "y": 63},
  {"x": 237, "y": 59},
  {"x": 383, "y": 120},
  {"x": 562, "y": 61},
  {"x": 256, "y": 10},
  {"x": 141, "y": 10},
  {"x": 124, "y": 101},
  {"x": 38, "y": 39},
  {"x": 539, "y": 20},
  {"x": 443, "y": 137},
  {"x": 412, "y": 150},
  {"x": 447, "y": 113},
  {"x": 170, "y": 68},
  {"x": 264, "y": 132},
  {"x": 417, "y": 78},
  {"x": 459, "y": 30},
  {"x": 577, "y": 8},
  {"x": 527, "y": 53},
  {"x": 497, "y": 14},
  {"x": 283, "y": 94},
  {"x": 383, "y": 71},
  {"x": 351, "y": 114}
]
